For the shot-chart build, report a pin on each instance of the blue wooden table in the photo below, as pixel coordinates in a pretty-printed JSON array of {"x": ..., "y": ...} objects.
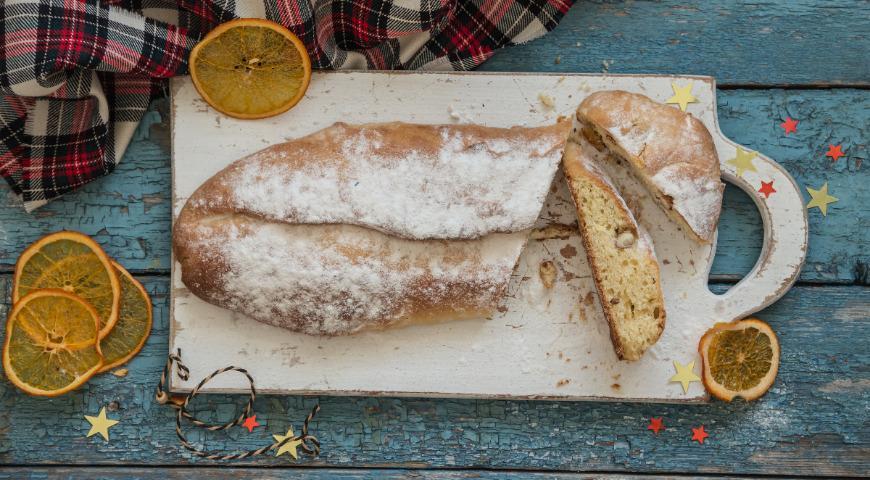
[{"x": 772, "y": 59}]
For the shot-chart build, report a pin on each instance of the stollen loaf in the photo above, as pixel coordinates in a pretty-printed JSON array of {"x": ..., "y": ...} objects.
[{"x": 369, "y": 226}]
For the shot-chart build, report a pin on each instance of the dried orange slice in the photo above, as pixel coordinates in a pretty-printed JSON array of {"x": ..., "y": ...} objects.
[
  {"x": 250, "y": 68},
  {"x": 740, "y": 358},
  {"x": 51, "y": 343},
  {"x": 134, "y": 322},
  {"x": 74, "y": 263}
]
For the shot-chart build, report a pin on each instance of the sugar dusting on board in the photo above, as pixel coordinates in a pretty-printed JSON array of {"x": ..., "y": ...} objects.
[{"x": 462, "y": 182}]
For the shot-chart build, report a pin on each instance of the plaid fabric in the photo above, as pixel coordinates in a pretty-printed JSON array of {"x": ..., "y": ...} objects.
[{"x": 76, "y": 76}]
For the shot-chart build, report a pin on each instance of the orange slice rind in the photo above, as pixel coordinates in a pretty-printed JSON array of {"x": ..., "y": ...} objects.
[
  {"x": 72, "y": 262},
  {"x": 134, "y": 323},
  {"x": 51, "y": 344},
  {"x": 250, "y": 68},
  {"x": 740, "y": 359}
]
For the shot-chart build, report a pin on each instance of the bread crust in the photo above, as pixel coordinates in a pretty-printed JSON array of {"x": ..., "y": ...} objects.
[
  {"x": 259, "y": 239},
  {"x": 670, "y": 151}
]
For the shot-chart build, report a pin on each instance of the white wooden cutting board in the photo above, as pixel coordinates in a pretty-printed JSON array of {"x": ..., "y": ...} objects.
[{"x": 550, "y": 344}]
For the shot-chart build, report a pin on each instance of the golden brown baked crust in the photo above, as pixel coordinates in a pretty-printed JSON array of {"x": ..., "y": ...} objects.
[
  {"x": 368, "y": 226},
  {"x": 670, "y": 151}
]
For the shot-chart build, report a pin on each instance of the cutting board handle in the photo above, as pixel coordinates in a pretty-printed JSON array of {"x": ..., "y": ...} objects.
[{"x": 784, "y": 249}]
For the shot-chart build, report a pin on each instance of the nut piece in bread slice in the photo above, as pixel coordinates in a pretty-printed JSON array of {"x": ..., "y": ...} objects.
[
  {"x": 619, "y": 251},
  {"x": 669, "y": 151}
]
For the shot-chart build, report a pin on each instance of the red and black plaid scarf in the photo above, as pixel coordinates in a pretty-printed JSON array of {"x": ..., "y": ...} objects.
[{"x": 76, "y": 76}]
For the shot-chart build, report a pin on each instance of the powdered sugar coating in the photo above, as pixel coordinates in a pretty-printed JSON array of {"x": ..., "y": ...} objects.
[
  {"x": 457, "y": 184},
  {"x": 339, "y": 279},
  {"x": 697, "y": 199}
]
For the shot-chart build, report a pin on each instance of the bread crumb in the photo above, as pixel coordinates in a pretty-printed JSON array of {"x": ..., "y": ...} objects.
[
  {"x": 121, "y": 372},
  {"x": 555, "y": 231},
  {"x": 547, "y": 272},
  {"x": 581, "y": 313},
  {"x": 454, "y": 115},
  {"x": 568, "y": 251},
  {"x": 589, "y": 299},
  {"x": 547, "y": 100},
  {"x": 563, "y": 382}
]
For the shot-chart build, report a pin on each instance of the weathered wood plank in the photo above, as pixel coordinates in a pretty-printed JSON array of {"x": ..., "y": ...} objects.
[
  {"x": 209, "y": 473},
  {"x": 815, "y": 421},
  {"x": 129, "y": 214},
  {"x": 740, "y": 43},
  {"x": 839, "y": 244}
]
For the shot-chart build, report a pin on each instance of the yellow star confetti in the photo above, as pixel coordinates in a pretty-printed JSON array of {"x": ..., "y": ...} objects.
[
  {"x": 289, "y": 447},
  {"x": 821, "y": 199},
  {"x": 682, "y": 96},
  {"x": 100, "y": 424},
  {"x": 685, "y": 374},
  {"x": 743, "y": 161}
]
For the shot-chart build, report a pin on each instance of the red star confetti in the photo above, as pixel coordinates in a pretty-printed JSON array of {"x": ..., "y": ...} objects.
[
  {"x": 789, "y": 125},
  {"x": 835, "y": 152},
  {"x": 698, "y": 434},
  {"x": 655, "y": 424},
  {"x": 251, "y": 423},
  {"x": 767, "y": 188}
]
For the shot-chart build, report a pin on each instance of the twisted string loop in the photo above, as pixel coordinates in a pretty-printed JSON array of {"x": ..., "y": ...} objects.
[{"x": 310, "y": 445}]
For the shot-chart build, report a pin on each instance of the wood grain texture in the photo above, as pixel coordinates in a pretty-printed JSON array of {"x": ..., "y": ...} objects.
[
  {"x": 740, "y": 43},
  {"x": 128, "y": 212},
  {"x": 210, "y": 473},
  {"x": 815, "y": 421}
]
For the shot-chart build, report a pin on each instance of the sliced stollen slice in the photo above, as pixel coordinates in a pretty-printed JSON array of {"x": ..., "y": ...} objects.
[
  {"x": 619, "y": 251},
  {"x": 669, "y": 151}
]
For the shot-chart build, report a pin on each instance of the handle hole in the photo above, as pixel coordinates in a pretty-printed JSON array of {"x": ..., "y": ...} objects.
[{"x": 741, "y": 234}]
